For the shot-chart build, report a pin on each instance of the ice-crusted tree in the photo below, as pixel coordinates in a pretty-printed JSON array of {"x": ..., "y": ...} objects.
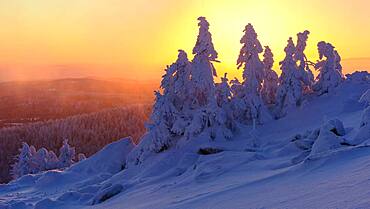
[
  {"x": 170, "y": 111},
  {"x": 52, "y": 161},
  {"x": 223, "y": 92},
  {"x": 296, "y": 77},
  {"x": 183, "y": 91},
  {"x": 224, "y": 113},
  {"x": 249, "y": 58},
  {"x": 304, "y": 72},
  {"x": 237, "y": 99},
  {"x": 182, "y": 84},
  {"x": 204, "y": 104},
  {"x": 338, "y": 65},
  {"x": 66, "y": 155},
  {"x": 271, "y": 79},
  {"x": 158, "y": 126},
  {"x": 290, "y": 89},
  {"x": 330, "y": 70},
  {"x": 81, "y": 157},
  {"x": 33, "y": 150},
  {"x": 253, "y": 76},
  {"x": 202, "y": 67},
  {"x": 23, "y": 164},
  {"x": 39, "y": 160}
]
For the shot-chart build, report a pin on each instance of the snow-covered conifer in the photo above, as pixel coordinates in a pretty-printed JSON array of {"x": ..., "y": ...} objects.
[
  {"x": 204, "y": 103},
  {"x": 23, "y": 162},
  {"x": 159, "y": 125},
  {"x": 52, "y": 161},
  {"x": 236, "y": 88},
  {"x": 33, "y": 150},
  {"x": 66, "y": 155},
  {"x": 296, "y": 77},
  {"x": 330, "y": 75},
  {"x": 81, "y": 157},
  {"x": 39, "y": 160},
  {"x": 182, "y": 84},
  {"x": 249, "y": 58},
  {"x": 271, "y": 79},
  {"x": 223, "y": 92},
  {"x": 237, "y": 100},
  {"x": 304, "y": 72},
  {"x": 253, "y": 75},
  {"x": 203, "y": 69},
  {"x": 169, "y": 111},
  {"x": 338, "y": 65},
  {"x": 290, "y": 89},
  {"x": 224, "y": 114},
  {"x": 183, "y": 90}
]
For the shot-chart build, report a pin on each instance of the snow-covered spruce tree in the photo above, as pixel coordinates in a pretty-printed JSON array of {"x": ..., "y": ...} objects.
[
  {"x": 23, "y": 162},
  {"x": 183, "y": 91},
  {"x": 330, "y": 70},
  {"x": 170, "y": 111},
  {"x": 338, "y": 59},
  {"x": 204, "y": 104},
  {"x": 52, "y": 161},
  {"x": 253, "y": 76},
  {"x": 296, "y": 77},
  {"x": 290, "y": 89},
  {"x": 224, "y": 114},
  {"x": 271, "y": 79},
  {"x": 237, "y": 99},
  {"x": 81, "y": 157},
  {"x": 33, "y": 150},
  {"x": 202, "y": 67},
  {"x": 66, "y": 155},
  {"x": 304, "y": 72},
  {"x": 159, "y": 125},
  {"x": 223, "y": 92},
  {"x": 39, "y": 160}
]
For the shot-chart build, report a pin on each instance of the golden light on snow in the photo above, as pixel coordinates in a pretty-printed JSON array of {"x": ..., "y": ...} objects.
[{"x": 139, "y": 38}]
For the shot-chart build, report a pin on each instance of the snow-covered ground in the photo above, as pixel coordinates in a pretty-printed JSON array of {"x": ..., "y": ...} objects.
[{"x": 304, "y": 160}]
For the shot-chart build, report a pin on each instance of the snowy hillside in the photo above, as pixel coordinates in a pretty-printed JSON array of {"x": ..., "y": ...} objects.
[{"x": 305, "y": 160}]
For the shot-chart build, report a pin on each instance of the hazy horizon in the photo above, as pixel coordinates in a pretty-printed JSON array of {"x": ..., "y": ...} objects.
[{"x": 349, "y": 65}]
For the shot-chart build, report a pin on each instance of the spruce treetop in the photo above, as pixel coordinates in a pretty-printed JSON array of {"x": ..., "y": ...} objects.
[
  {"x": 268, "y": 58},
  {"x": 301, "y": 45},
  {"x": 182, "y": 57},
  {"x": 204, "y": 45},
  {"x": 290, "y": 48},
  {"x": 251, "y": 46}
]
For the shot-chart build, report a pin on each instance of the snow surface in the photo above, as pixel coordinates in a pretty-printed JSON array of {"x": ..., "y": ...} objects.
[
  {"x": 365, "y": 98},
  {"x": 309, "y": 159}
]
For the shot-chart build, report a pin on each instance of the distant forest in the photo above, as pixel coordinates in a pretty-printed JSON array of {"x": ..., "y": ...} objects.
[
  {"x": 88, "y": 133},
  {"x": 32, "y": 101}
]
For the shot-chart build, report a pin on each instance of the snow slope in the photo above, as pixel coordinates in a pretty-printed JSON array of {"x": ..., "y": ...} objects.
[{"x": 304, "y": 160}]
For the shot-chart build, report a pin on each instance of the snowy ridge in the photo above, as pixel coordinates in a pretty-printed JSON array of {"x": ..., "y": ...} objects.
[{"x": 294, "y": 166}]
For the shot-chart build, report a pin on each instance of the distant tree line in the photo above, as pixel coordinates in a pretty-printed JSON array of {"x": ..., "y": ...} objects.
[
  {"x": 34, "y": 101},
  {"x": 88, "y": 133}
]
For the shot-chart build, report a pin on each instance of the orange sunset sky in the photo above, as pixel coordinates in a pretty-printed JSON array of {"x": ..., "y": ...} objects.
[{"x": 137, "y": 39}]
